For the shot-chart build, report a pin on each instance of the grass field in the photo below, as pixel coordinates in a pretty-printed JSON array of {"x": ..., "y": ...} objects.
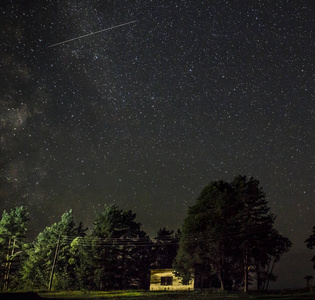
[{"x": 146, "y": 295}]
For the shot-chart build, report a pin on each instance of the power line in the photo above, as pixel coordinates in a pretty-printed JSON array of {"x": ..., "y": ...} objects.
[{"x": 144, "y": 242}]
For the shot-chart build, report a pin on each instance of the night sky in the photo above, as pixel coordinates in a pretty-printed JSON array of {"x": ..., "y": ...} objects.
[{"x": 145, "y": 115}]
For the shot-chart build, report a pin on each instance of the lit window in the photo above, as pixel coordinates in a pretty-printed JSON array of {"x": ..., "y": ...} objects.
[{"x": 167, "y": 280}]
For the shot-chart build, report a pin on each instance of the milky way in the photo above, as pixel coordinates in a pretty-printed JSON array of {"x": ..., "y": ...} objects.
[{"x": 145, "y": 115}]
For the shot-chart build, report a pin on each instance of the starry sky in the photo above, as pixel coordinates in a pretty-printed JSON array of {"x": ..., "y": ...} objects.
[{"x": 145, "y": 115}]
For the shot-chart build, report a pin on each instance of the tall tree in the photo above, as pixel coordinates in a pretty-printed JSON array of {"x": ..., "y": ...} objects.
[
  {"x": 267, "y": 255},
  {"x": 53, "y": 242},
  {"x": 229, "y": 234},
  {"x": 83, "y": 261},
  {"x": 123, "y": 256},
  {"x": 206, "y": 242},
  {"x": 310, "y": 243},
  {"x": 165, "y": 248},
  {"x": 254, "y": 221},
  {"x": 13, "y": 228}
]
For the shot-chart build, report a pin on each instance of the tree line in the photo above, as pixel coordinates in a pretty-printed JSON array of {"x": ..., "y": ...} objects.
[
  {"x": 115, "y": 254},
  {"x": 227, "y": 241}
]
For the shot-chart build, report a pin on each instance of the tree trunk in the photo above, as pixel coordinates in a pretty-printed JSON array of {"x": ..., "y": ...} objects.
[
  {"x": 268, "y": 279},
  {"x": 221, "y": 281},
  {"x": 221, "y": 274},
  {"x": 9, "y": 267},
  {"x": 264, "y": 282},
  {"x": 123, "y": 281},
  {"x": 258, "y": 276},
  {"x": 245, "y": 260}
]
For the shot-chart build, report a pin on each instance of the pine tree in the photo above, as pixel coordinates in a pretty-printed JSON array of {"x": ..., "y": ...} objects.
[
  {"x": 206, "y": 245},
  {"x": 165, "y": 248},
  {"x": 123, "y": 250},
  {"x": 254, "y": 221}
]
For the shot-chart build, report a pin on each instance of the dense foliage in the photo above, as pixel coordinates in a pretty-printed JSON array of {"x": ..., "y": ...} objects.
[
  {"x": 123, "y": 257},
  {"x": 13, "y": 227},
  {"x": 115, "y": 255},
  {"x": 165, "y": 248},
  {"x": 228, "y": 237},
  {"x": 227, "y": 241},
  {"x": 53, "y": 240}
]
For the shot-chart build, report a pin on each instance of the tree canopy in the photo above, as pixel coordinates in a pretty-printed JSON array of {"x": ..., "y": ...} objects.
[
  {"x": 13, "y": 228},
  {"x": 228, "y": 235},
  {"x": 227, "y": 241},
  {"x": 37, "y": 269},
  {"x": 165, "y": 248},
  {"x": 124, "y": 260}
]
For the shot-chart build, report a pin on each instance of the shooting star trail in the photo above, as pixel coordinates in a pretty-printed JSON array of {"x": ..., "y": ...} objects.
[{"x": 92, "y": 33}]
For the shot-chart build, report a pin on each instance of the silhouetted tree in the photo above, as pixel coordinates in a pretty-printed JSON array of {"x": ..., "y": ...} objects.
[
  {"x": 123, "y": 250},
  {"x": 165, "y": 248},
  {"x": 311, "y": 244},
  {"x": 229, "y": 234},
  {"x": 207, "y": 241},
  {"x": 254, "y": 222},
  {"x": 308, "y": 279},
  {"x": 267, "y": 255}
]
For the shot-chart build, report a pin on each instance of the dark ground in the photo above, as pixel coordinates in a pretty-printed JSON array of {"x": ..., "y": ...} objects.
[{"x": 279, "y": 295}]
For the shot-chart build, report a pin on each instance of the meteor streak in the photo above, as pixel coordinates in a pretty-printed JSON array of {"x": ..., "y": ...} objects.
[{"x": 92, "y": 33}]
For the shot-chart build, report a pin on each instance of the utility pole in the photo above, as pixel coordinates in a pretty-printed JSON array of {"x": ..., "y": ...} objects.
[
  {"x": 6, "y": 277},
  {"x": 54, "y": 264},
  {"x": 7, "y": 264}
]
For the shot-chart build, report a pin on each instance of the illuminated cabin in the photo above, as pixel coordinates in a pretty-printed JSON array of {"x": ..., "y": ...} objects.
[{"x": 164, "y": 279}]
